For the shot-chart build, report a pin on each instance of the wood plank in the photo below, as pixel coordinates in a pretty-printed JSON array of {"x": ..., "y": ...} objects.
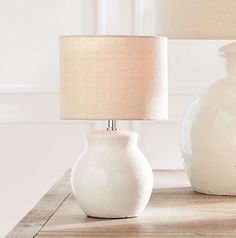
[
  {"x": 31, "y": 224},
  {"x": 173, "y": 211}
]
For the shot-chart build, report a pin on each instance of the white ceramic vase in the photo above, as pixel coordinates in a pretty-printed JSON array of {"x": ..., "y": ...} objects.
[
  {"x": 208, "y": 140},
  {"x": 112, "y": 178}
]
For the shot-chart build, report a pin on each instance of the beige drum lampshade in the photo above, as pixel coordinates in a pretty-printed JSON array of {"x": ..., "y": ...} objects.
[
  {"x": 113, "y": 77},
  {"x": 196, "y": 19}
]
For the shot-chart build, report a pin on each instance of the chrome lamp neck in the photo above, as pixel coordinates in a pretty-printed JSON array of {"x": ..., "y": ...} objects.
[{"x": 111, "y": 125}]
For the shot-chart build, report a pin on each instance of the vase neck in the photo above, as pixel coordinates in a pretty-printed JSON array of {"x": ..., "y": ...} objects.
[
  {"x": 231, "y": 66},
  {"x": 229, "y": 53}
]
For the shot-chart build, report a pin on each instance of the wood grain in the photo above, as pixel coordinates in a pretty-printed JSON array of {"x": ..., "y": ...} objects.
[
  {"x": 174, "y": 210},
  {"x": 31, "y": 224}
]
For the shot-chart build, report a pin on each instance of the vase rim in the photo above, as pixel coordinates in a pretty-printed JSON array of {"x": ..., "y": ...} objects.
[{"x": 228, "y": 49}]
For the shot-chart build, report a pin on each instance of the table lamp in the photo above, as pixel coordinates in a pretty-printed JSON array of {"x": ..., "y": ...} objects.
[
  {"x": 208, "y": 129},
  {"x": 111, "y": 78}
]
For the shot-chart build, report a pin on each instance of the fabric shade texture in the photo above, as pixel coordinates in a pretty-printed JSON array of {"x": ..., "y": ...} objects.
[
  {"x": 196, "y": 19},
  {"x": 113, "y": 77}
]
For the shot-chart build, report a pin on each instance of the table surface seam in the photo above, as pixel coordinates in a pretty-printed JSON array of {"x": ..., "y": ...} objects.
[{"x": 51, "y": 215}]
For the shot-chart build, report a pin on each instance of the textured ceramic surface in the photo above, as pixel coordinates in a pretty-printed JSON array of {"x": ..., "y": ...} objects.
[
  {"x": 208, "y": 140},
  {"x": 112, "y": 178}
]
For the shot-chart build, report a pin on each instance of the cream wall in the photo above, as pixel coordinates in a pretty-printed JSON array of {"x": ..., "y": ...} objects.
[{"x": 35, "y": 146}]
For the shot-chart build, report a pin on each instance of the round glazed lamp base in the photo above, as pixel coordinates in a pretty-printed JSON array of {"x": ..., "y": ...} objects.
[{"x": 112, "y": 178}]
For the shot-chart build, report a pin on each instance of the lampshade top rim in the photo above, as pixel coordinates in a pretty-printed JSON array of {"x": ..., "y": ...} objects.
[{"x": 113, "y": 36}]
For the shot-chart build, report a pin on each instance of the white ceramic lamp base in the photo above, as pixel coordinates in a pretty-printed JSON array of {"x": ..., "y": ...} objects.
[{"x": 112, "y": 178}]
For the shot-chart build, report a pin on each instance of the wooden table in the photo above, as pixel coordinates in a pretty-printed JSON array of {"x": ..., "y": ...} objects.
[{"x": 174, "y": 210}]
